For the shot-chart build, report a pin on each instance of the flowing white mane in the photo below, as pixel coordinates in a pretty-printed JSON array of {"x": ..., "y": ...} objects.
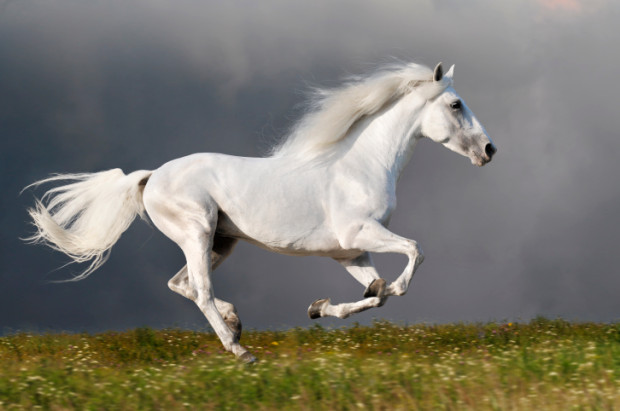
[{"x": 332, "y": 112}]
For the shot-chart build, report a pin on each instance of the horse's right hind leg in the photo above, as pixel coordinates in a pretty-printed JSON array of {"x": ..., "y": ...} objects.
[
  {"x": 191, "y": 223},
  {"x": 222, "y": 247},
  {"x": 180, "y": 285}
]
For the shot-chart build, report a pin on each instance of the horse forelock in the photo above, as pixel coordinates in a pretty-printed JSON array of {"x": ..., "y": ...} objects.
[{"x": 331, "y": 113}]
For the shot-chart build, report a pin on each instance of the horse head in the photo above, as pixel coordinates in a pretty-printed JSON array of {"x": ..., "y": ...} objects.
[{"x": 447, "y": 120}]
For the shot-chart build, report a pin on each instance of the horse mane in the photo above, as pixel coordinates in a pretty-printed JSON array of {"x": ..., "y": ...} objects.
[{"x": 331, "y": 113}]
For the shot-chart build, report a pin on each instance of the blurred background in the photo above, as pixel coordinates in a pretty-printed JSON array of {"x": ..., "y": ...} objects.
[{"x": 93, "y": 85}]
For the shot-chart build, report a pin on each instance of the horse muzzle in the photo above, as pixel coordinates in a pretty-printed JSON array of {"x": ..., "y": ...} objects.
[{"x": 489, "y": 152}]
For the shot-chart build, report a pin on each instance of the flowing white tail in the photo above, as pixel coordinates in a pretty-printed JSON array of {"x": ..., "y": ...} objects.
[{"x": 85, "y": 218}]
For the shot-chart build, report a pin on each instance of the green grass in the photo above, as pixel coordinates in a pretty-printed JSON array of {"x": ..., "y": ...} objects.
[{"x": 540, "y": 365}]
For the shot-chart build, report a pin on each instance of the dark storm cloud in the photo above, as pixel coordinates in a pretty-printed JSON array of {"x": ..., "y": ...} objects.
[{"x": 86, "y": 86}]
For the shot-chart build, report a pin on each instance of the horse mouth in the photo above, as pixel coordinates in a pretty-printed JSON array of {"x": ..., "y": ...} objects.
[{"x": 480, "y": 160}]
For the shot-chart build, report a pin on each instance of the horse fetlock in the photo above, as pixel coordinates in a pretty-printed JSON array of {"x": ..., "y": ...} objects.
[
  {"x": 234, "y": 324},
  {"x": 375, "y": 289}
]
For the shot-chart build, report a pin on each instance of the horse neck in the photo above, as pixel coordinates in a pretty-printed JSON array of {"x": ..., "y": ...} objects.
[{"x": 386, "y": 140}]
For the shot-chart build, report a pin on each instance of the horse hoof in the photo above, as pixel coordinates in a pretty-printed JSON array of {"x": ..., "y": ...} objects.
[
  {"x": 375, "y": 289},
  {"x": 314, "y": 311},
  {"x": 247, "y": 358}
]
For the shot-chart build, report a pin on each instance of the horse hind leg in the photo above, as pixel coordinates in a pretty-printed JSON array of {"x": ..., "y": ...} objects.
[
  {"x": 198, "y": 258},
  {"x": 191, "y": 222},
  {"x": 229, "y": 313},
  {"x": 180, "y": 285},
  {"x": 222, "y": 247}
]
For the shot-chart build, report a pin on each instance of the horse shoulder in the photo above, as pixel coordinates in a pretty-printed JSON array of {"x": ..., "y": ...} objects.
[{"x": 363, "y": 194}]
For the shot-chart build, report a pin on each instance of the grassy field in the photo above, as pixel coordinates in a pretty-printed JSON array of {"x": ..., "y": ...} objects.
[{"x": 540, "y": 365}]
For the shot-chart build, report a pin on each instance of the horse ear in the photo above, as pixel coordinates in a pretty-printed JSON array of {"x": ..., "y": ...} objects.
[
  {"x": 450, "y": 73},
  {"x": 438, "y": 74}
]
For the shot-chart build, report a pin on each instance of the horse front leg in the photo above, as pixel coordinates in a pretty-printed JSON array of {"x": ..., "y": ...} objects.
[
  {"x": 374, "y": 237},
  {"x": 324, "y": 307},
  {"x": 363, "y": 270}
]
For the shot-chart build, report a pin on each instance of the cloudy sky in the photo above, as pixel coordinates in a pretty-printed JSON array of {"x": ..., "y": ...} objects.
[{"x": 99, "y": 84}]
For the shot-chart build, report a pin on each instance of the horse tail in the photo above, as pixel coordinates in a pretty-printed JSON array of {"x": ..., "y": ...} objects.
[{"x": 87, "y": 216}]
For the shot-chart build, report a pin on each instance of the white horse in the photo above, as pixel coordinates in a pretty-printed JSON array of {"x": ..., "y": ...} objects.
[{"x": 329, "y": 190}]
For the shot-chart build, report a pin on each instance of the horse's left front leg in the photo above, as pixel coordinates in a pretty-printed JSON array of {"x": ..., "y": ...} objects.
[{"x": 374, "y": 237}]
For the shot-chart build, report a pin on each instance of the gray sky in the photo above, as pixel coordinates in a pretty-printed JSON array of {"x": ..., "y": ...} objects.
[{"x": 93, "y": 85}]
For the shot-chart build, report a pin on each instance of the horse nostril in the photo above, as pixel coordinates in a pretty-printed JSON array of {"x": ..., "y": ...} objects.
[{"x": 490, "y": 149}]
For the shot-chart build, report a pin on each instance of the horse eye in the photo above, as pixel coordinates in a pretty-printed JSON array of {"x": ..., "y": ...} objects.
[{"x": 456, "y": 105}]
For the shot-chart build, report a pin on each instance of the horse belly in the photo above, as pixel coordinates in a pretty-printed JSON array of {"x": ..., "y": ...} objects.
[{"x": 282, "y": 231}]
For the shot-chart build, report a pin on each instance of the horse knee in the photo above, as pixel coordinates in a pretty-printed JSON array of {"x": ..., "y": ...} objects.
[{"x": 417, "y": 255}]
